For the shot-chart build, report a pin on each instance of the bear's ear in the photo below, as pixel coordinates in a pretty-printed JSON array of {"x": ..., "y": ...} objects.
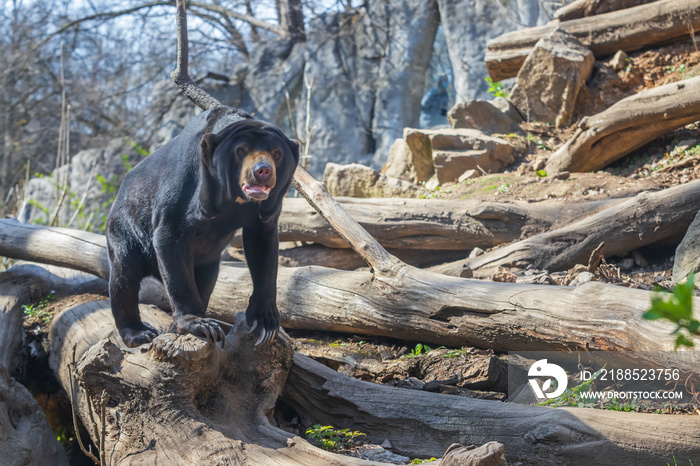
[
  {"x": 294, "y": 145},
  {"x": 208, "y": 145}
]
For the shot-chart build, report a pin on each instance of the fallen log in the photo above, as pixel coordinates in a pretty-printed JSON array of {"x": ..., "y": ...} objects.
[
  {"x": 399, "y": 301},
  {"x": 627, "y": 125},
  {"x": 431, "y": 224},
  {"x": 581, "y": 8},
  {"x": 182, "y": 401},
  {"x": 25, "y": 434},
  {"x": 347, "y": 259},
  {"x": 628, "y": 30},
  {"x": 645, "y": 219},
  {"x": 415, "y": 420}
]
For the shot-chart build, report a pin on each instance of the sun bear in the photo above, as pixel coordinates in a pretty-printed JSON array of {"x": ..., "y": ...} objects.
[{"x": 179, "y": 208}]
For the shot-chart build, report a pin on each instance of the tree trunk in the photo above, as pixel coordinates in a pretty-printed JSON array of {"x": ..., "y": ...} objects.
[
  {"x": 645, "y": 219},
  {"x": 183, "y": 401},
  {"x": 399, "y": 301},
  {"x": 432, "y": 224},
  {"x": 629, "y": 124},
  {"x": 291, "y": 18},
  {"x": 630, "y": 29},
  {"x": 417, "y": 421},
  {"x": 25, "y": 434},
  {"x": 580, "y": 8}
]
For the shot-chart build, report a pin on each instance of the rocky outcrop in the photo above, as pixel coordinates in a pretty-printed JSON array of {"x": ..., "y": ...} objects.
[
  {"x": 469, "y": 24},
  {"x": 93, "y": 178},
  {"x": 357, "y": 180},
  {"x": 484, "y": 116},
  {"x": 367, "y": 66},
  {"x": 452, "y": 152},
  {"x": 551, "y": 77}
]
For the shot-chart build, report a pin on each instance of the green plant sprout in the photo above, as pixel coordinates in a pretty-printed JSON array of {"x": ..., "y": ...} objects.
[
  {"x": 677, "y": 307},
  {"x": 38, "y": 311},
  {"x": 496, "y": 89},
  {"x": 331, "y": 439}
]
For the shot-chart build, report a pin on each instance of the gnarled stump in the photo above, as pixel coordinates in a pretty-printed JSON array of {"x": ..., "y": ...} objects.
[{"x": 180, "y": 400}]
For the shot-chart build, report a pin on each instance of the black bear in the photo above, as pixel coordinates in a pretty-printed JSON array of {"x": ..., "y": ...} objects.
[{"x": 178, "y": 209}]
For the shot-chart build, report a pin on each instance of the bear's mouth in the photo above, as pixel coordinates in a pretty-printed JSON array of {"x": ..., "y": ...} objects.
[{"x": 256, "y": 192}]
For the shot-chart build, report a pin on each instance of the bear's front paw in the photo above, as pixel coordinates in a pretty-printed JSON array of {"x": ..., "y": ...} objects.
[
  {"x": 137, "y": 335},
  {"x": 201, "y": 327},
  {"x": 263, "y": 320}
]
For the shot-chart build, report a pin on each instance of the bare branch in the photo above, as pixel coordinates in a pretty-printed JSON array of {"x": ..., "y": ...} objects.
[
  {"x": 180, "y": 76},
  {"x": 253, "y": 21}
]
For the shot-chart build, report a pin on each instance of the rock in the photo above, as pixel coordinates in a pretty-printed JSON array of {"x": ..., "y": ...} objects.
[
  {"x": 687, "y": 257},
  {"x": 386, "y": 444},
  {"x": 355, "y": 180},
  {"x": 562, "y": 176},
  {"x": 626, "y": 264},
  {"x": 469, "y": 174},
  {"x": 539, "y": 163},
  {"x": 583, "y": 277},
  {"x": 476, "y": 252},
  {"x": 619, "y": 61},
  {"x": 432, "y": 183},
  {"x": 472, "y": 371},
  {"x": 489, "y": 454},
  {"x": 639, "y": 259},
  {"x": 411, "y": 165},
  {"x": 507, "y": 107},
  {"x": 469, "y": 24},
  {"x": 481, "y": 115},
  {"x": 457, "y": 151},
  {"x": 551, "y": 77},
  {"x": 503, "y": 276},
  {"x": 452, "y": 152},
  {"x": 379, "y": 454},
  {"x": 110, "y": 165},
  {"x": 420, "y": 154},
  {"x": 466, "y": 272}
]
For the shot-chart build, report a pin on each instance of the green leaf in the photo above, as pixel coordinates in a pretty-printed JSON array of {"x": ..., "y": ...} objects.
[
  {"x": 541, "y": 173},
  {"x": 682, "y": 340}
]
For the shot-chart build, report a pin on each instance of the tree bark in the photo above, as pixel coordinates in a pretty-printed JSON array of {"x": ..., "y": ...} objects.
[
  {"x": 629, "y": 30},
  {"x": 645, "y": 219},
  {"x": 183, "y": 401},
  {"x": 432, "y": 224},
  {"x": 25, "y": 434},
  {"x": 580, "y": 8},
  {"x": 399, "y": 301},
  {"x": 418, "y": 421},
  {"x": 627, "y": 125}
]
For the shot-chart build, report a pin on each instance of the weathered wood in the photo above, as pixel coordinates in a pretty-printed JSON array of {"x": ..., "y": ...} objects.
[
  {"x": 25, "y": 434},
  {"x": 581, "y": 8},
  {"x": 183, "y": 401},
  {"x": 629, "y": 30},
  {"x": 417, "y": 305},
  {"x": 416, "y": 421},
  {"x": 629, "y": 124},
  {"x": 347, "y": 259},
  {"x": 645, "y": 219},
  {"x": 432, "y": 223}
]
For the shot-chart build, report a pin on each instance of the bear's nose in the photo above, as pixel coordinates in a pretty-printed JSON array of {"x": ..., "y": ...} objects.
[{"x": 263, "y": 171}]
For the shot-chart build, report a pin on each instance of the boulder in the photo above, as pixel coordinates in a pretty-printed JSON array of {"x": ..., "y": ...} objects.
[
  {"x": 93, "y": 176},
  {"x": 419, "y": 156},
  {"x": 489, "y": 454},
  {"x": 481, "y": 115},
  {"x": 452, "y": 152},
  {"x": 357, "y": 180},
  {"x": 687, "y": 258},
  {"x": 398, "y": 165},
  {"x": 469, "y": 24},
  {"x": 551, "y": 77}
]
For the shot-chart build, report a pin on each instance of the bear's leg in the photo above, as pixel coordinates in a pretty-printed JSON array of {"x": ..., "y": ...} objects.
[{"x": 125, "y": 277}]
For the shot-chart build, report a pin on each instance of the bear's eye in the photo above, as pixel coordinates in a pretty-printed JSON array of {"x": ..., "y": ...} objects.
[
  {"x": 240, "y": 152},
  {"x": 276, "y": 154}
]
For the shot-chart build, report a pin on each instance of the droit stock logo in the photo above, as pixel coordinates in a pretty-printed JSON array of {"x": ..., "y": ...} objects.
[{"x": 541, "y": 369}]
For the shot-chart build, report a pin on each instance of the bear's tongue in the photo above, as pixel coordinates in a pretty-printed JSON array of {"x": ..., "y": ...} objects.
[{"x": 255, "y": 188}]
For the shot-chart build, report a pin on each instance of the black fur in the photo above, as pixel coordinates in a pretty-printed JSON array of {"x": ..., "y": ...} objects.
[{"x": 180, "y": 207}]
